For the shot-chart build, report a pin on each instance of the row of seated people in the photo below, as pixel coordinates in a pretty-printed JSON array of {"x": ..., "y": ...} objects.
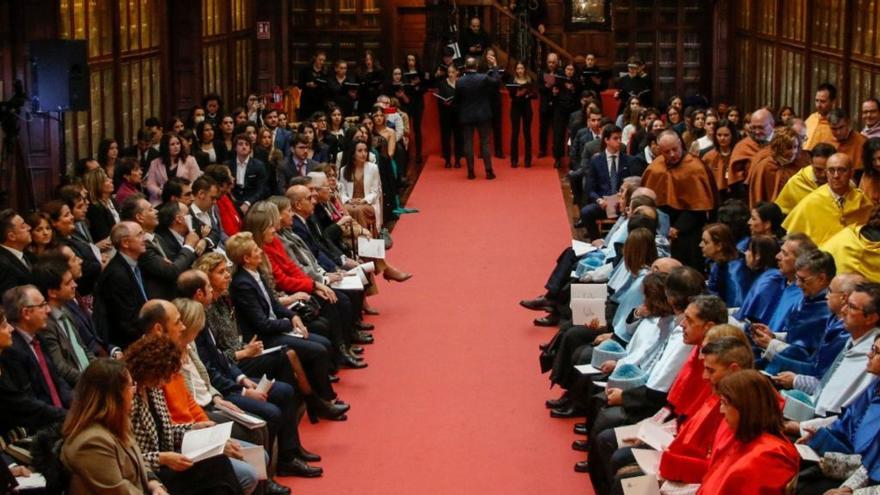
[
  {"x": 165, "y": 317},
  {"x": 793, "y": 293}
]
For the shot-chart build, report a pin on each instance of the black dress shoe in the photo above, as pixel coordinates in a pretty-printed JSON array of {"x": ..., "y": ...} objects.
[
  {"x": 340, "y": 402},
  {"x": 356, "y": 349},
  {"x": 447, "y": 165},
  {"x": 567, "y": 412},
  {"x": 273, "y": 488},
  {"x": 581, "y": 429},
  {"x": 471, "y": 176},
  {"x": 363, "y": 338},
  {"x": 559, "y": 403},
  {"x": 364, "y": 326},
  {"x": 307, "y": 456},
  {"x": 550, "y": 320},
  {"x": 582, "y": 467},
  {"x": 298, "y": 467},
  {"x": 528, "y": 165},
  {"x": 580, "y": 445},
  {"x": 333, "y": 378},
  {"x": 351, "y": 362},
  {"x": 579, "y": 224},
  {"x": 539, "y": 303},
  {"x": 490, "y": 175},
  {"x": 557, "y": 164}
]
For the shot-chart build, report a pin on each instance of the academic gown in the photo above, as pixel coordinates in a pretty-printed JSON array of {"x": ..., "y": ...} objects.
[
  {"x": 853, "y": 253},
  {"x": 802, "y": 324},
  {"x": 760, "y": 301},
  {"x": 689, "y": 390},
  {"x": 796, "y": 189},
  {"x": 852, "y": 147},
  {"x": 730, "y": 281},
  {"x": 767, "y": 176},
  {"x": 818, "y": 131},
  {"x": 785, "y": 304},
  {"x": 649, "y": 337},
  {"x": 628, "y": 296},
  {"x": 792, "y": 359},
  {"x": 871, "y": 187},
  {"x": 720, "y": 167},
  {"x": 855, "y": 431},
  {"x": 819, "y": 217},
  {"x": 686, "y": 459},
  {"x": 763, "y": 466},
  {"x": 740, "y": 158}
]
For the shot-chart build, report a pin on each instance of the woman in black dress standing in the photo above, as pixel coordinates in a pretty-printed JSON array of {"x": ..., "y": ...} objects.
[{"x": 522, "y": 91}]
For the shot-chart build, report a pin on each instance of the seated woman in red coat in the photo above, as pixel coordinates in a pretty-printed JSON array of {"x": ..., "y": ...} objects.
[{"x": 759, "y": 460}]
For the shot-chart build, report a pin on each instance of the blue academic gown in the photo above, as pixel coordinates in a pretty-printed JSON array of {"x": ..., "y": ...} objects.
[
  {"x": 791, "y": 359},
  {"x": 802, "y": 325},
  {"x": 783, "y": 305},
  {"x": 730, "y": 281},
  {"x": 856, "y": 431},
  {"x": 743, "y": 244},
  {"x": 760, "y": 301}
]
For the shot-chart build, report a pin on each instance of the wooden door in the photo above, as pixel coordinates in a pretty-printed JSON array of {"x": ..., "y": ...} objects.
[{"x": 410, "y": 34}]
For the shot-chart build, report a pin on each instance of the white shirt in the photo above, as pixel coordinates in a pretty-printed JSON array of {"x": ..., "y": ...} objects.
[
  {"x": 200, "y": 391},
  {"x": 203, "y": 216},
  {"x": 240, "y": 171},
  {"x": 15, "y": 252}
]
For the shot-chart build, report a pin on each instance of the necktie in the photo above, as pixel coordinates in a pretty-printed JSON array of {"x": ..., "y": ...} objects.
[
  {"x": 26, "y": 263},
  {"x": 140, "y": 282},
  {"x": 840, "y": 202},
  {"x": 613, "y": 173},
  {"x": 81, "y": 358},
  {"x": 301, "y": 166},
  {"x": 47, "y": 377}
]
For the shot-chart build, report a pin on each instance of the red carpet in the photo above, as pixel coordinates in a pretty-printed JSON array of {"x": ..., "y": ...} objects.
[{"x": 453, "y": 402}]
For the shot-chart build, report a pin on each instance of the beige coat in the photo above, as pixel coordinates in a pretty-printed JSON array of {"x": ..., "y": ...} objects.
[{"x": 101, "y": 465}]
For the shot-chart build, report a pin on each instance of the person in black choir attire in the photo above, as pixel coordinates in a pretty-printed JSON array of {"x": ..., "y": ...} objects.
[
  {"x": 522, "y": 92},
  {"x": 474, "y": 41},
  {"x": 341, "y": 89},
  {"x": 447, "y": 110},
  {"x": 313, "y": 82},
  {"x": 417, "y": 85},
  {"x": 473, "y": 92},
  {"x": 635, "y": 83},
  {"x": 213, "y": 106},
  {"x": 370, "y": 78},
  {"x": 566, "y": 93},
  {"x": 495, "y": 102},
  {"x": 593, "y": 77},
  {"x": 143, "y": 150},
  {"x": 446, "y": 61},
  {"x": 545, "y": 112}
]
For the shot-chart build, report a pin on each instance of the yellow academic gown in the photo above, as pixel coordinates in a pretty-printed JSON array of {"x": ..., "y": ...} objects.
[
  {"x": 818, "y": 131},
  {"x": 853, "y": 253},
  {"x": 819, "y": 217},
  {"x": 796, "y": 189}
]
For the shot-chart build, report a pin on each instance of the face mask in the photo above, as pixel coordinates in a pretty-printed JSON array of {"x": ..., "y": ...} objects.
[{"x": 199, "y": 119}]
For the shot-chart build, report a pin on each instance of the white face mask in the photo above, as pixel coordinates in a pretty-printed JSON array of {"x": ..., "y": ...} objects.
[{"x": 198, "y": 119}]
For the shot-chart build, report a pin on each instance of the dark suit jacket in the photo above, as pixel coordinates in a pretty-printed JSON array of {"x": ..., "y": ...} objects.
[
  {"x": 283, "y": 138},
  {"x": 325, "y": 259},
  {"x": 256, "y": 182},
  {"x": 160, "y": 270},
  {"x": 23, "y": 391},
  {"x": 288, "y": 170},
  {"x": 600, "y": 178},
  {"x": 133, "y": 152},
  {"x": 91, "y": 267},
  {"x": 252, "y": 309},
  {"x": 221, "y": 371},
  {"x": 474, "y": 92},
  {"x": 57, "y": 344},
  {"x": 216, "y": 235},
  {"x": 330, "y": 230},
  {"x": 101, "y": 221},
  {"x": 12, "y": 271},
  {"x": 120, "y": 300},
  {"x": 87, "y": 332}
]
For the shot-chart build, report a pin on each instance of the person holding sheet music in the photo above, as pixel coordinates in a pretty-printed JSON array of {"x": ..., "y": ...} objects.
[
  {"x": 522, "y": 91},
  {"x": 342, "y": 89},
  {"x": 606, "y": 171},
  {"x": 416, "y": 81},
  {"x": 370, "y": 78},
  {"x": 566, "y": 93},
  {"x": 447, "y": 111},
  {"x": 635, "y": 83},
  {"x": 313, "y": 83}
]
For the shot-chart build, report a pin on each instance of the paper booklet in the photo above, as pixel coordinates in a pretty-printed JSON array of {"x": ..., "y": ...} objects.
[
  {"x": 584, "y": 311},
  {"x": 807, "y": 453},
  {"x": 581, "y": 248},
  {"x": 242, "y": 418},
  {"x": 627, "y": 436},
  {"x": 271, "y": 350},
  {"x": 265, "y": 385},
  {"x": 371, "y": 248},
  {"x": 587, "y": 369},
  {"x": 255, "y": 456},
  {"x": 640, "y": 485},
  {"x": 349, "y": 282},
  {"x": 589, "y": 291},
  {"x": 205, "y": 443},
  {"x": 648, "y": 460},
  {"x": 654, "y": 435}
]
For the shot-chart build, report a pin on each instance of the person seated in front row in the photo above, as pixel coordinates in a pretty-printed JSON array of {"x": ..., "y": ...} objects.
[
  {"x": 99, "y": 449},
  {"x": 856, "y": 249},
  {"x": 806, "y": 180},
  {"x": 303, "y": 369},
  {"x": 152, "y": 361},
  {"x": 853, "y": 436}
]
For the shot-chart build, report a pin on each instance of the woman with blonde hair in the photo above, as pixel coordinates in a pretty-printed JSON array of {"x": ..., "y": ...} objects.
[{"x": 102, "y": 214}]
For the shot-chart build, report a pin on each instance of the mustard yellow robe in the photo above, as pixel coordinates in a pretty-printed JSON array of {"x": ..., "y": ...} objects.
[
  {"x": 819, "y": 217},
  {"x": 796, "y": 189},
  {"x": 853, "y": 253}
]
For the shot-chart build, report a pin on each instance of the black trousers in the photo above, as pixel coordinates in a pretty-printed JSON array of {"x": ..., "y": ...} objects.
[
  {"x": 561, "y": 274},
  {"x": 497, "y": 135},
  {"x": 450, "y": 132},
  {"x": 570, "y": 351},
  {"x": 483, "y": 129},
  {"x": 520, "y": 117},
  {"x": 589, "y": 215},
  {"x": 560, "y": 129},
  {"x": 545, "y": 123},
  {"x": 210, "y": 477},
  {"x": 314, "y": 353},
  {"x": 279, "y": 413}
]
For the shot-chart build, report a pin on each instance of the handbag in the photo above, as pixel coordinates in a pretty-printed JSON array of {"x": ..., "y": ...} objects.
[{"x": 308, "y": 310}]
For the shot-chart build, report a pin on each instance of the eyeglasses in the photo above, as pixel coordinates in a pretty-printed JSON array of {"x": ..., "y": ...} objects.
[
  {"x": 873, "y": 351},
  {"x": 44, "y": 304},
  {"x": 803, "y": 280},
  {"x": 836, "y": 171}
]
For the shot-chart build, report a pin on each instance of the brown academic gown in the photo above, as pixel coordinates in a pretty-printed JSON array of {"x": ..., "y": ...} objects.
[
  {"x": 852, "y": 147},
  {"x": 740, "y": 158},
  {"x": 719, "y": 165},
  {"x": 871, "y": 187},
  {"x": 767, "y": 177}
]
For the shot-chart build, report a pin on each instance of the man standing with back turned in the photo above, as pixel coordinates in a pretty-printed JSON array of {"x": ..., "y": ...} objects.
[{"x": 475, "y": 112}]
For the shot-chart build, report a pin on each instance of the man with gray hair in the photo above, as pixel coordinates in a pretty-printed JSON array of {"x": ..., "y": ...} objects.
[
  {"x": 32, "y": 391},
  {"x": 120, "y": 292},
  {"x": 760, "y": 132},
  {"x": 473, "y": 93}
]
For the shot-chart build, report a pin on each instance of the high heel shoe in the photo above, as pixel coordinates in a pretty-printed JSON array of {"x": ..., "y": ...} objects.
[
  {"x": 319, "y": 408},
  {"x": 396, "y": 275}
]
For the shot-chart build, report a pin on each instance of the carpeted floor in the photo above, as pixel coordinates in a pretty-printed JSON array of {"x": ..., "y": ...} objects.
[{"x": 452, "y": 402}]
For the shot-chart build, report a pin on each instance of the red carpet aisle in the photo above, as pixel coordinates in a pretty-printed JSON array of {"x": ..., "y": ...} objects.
[{"x": 452, "y": 402}]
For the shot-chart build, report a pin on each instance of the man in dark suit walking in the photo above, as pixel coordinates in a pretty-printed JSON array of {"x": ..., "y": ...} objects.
[
  {"x": 120, "y": 291},
  {"x": 31, "y": 390},
  {"x": 607, "y": 170},
  {"x": 251, "y": 177},
  {"x": 15, "y": 264},
  {"x": 473, "y": 92}
]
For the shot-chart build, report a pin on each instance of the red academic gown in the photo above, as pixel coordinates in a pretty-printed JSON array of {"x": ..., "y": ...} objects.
[
  {"x": 763, "y": 466},
  {"x": 689, "y": 390},
  {"x": 687, "y": 457}
]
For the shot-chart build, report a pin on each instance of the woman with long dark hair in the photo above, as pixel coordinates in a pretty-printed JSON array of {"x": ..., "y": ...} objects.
[
  {"x": 417, "y": 81},
  {"x": 173, "y": 161},
  {"x": 108, "y": 154},
  {"x": 522, "y": 91},
  {"x": 447, "y": 111},
  {"x": 370, "y": 77},
  {"x": 729, "y": 278},
  {"x": 717, "y": 158},
  {"x": 870, "y": 182}
]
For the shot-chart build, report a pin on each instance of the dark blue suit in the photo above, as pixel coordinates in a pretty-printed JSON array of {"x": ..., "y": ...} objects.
[
  {"x": 600, "y": 185},
  {"x": 324, "y": 258},
  {"x": 256, "y": 181},
  {"x": 283, "y": 137},
  {"x": 473, "y": 93}
]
